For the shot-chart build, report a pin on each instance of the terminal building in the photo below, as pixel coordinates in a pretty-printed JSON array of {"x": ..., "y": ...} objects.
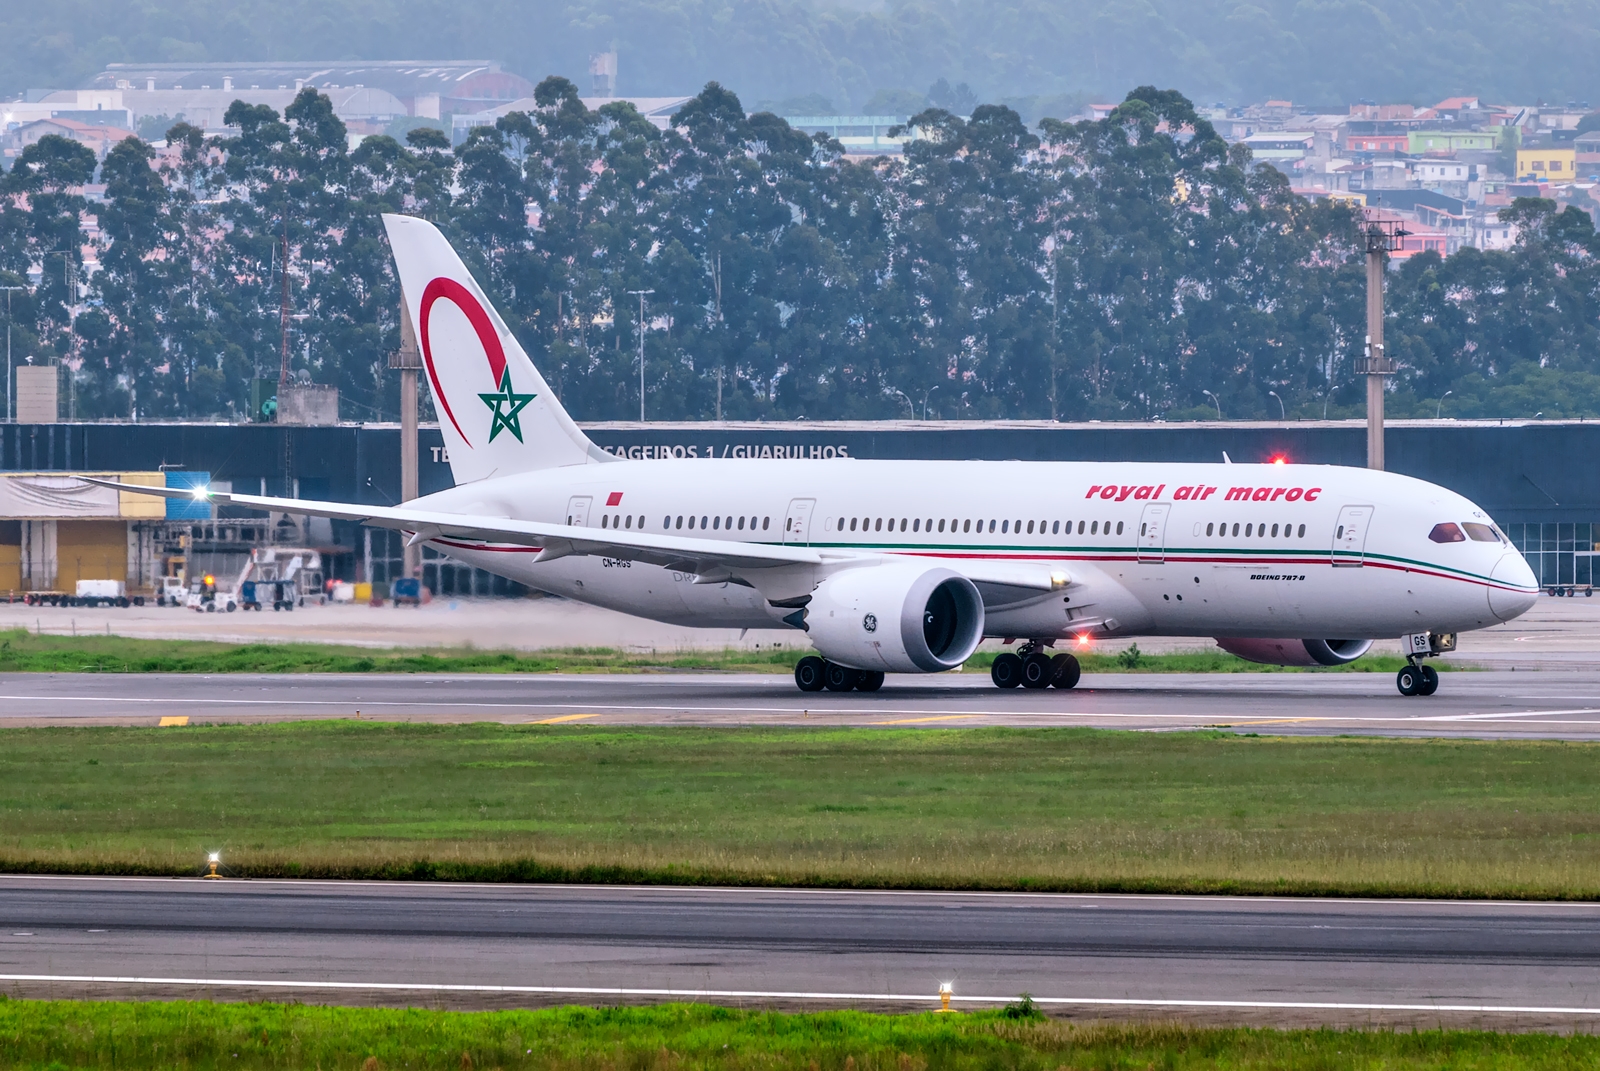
[{"x": 1538, "y": 479}]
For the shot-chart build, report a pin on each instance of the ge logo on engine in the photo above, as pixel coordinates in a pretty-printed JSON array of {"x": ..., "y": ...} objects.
[{"x": 870, "y": 622}]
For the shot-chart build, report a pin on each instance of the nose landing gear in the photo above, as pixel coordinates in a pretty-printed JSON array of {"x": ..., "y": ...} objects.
[{"x": 1417, "y": 678}]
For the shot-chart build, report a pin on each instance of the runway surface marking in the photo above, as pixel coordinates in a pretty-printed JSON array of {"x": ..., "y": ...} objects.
[
  {"x": 924, "y": 721},
  {"x": 733, "y": 708},
  {"x": 757, "y": 994},
  {"x": 1508, "y": 714},
  {"x": 564, "y": 717},
  {"x": 708, "y": 891},
  {"x": 1265, "y": 721},
  {"x": 173, "y": 719}
]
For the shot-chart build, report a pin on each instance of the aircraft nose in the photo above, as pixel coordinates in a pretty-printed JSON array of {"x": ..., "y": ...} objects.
[{"x": 1515, "y": 588}]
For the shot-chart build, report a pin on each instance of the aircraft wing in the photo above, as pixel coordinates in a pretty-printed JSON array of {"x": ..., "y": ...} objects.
[
  {"x": 698, "y": 556},
  {"x": 1000, "y": 583}
]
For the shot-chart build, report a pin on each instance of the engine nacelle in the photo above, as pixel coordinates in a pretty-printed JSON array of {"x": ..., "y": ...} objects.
[
  {"x": 899, "y": 617},
  {"x": 1296, "y": 652}
]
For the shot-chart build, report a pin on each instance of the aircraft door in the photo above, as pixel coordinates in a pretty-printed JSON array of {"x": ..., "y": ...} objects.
[
  {"x": 1153, "y": 532},
  {"x": 578, "y": 510},
  {"x": 797, "y": 525},
  {"x": 1350, "y": 536}
]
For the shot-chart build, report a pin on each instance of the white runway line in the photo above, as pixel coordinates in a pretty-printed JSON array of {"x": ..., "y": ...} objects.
[{"x": 758, "y": 994}]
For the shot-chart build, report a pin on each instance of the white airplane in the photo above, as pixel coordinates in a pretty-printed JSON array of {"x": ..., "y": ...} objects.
[{"x": 905, "y": 566}]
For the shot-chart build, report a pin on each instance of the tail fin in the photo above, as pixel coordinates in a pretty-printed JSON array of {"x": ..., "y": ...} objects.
[{"x": 497, "y": 413}]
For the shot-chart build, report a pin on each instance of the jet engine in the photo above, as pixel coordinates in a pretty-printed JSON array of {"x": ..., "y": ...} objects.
[
  {"x": 903, "y": 618},
  {"x": 1296, "y": 652}
]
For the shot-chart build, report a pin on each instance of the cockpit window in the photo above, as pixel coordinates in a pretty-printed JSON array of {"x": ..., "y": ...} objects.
[
  {"x": 1480, "y": 533},
  {"x": 1446, "y": 532}
]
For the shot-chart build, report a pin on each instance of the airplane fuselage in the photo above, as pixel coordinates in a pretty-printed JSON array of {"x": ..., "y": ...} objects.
[{"x": 1294, "y": 551}]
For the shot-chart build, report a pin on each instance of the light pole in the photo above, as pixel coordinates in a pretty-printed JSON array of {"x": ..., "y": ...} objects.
[
  {"x": 1282, "y": 417},
  {"x": 1213, "y": 398},
  {"x": 907, "y": 401},
  {"x": 925, "y": 394},
  {"x": 10, "y": 415},
  {"x": 641, "y": 294},
  {"x": 1440, "y": 406}
]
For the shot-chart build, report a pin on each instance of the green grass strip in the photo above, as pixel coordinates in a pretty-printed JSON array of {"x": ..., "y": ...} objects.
[
  {"x": 197, "y": 1036},
  {"x": 22, "y": 651},
  {"x": 886, "y": 807}
]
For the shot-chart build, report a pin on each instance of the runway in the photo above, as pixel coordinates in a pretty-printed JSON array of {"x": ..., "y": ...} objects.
[
  {"x": 1212, "y": 958},
  {"x": 1561, "y": 702}
]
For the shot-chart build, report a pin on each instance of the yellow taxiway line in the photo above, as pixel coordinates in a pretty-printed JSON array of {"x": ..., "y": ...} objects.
[
  {"x": 923, "y": 721},
  {"x": 564, "y": 717}
]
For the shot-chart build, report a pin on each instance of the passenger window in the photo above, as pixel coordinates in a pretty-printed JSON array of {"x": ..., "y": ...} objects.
[
  {"x": 1274, "y": 530},
  {"x": 764, "y": 522},
  {"x": 1236, "y": 528},
  {"x": 1030, "y": 527},
  {"x": 991, "y": 526},
  {"x": 1094, "y": 529},
  {"x": 1056, "y": 527},
  {"x": 703, "y": 522},
  {"x": 666, "y": 522},
  {"x": 680, "y": 520},
  {"x": 941, "y": 524},
  {"x": 628, "y": 523},
  {"x": 729, "y": 523},
  {"x": 603, "y": 519},
  {"x": 902, "y": 524},
  {"x": 966, "y": 526},
  {"x": 1248, "y": 529},
  {"x": 741, "y": 524},
  {"x": 879, "y": 526},
  {"x": 1005, "y": 526},
  {"x": 1208, "y": 529},
  {"x": 1480, "y": 533},
  {"x": 1302, "y": 531},
  {"x": 1119, "y": 527},
  {"x": 716, "y": 522},
  {"x": 852, "y": 524},
  {"x": 1446, "y": 532},
  {"x": 916, "y": 525}
]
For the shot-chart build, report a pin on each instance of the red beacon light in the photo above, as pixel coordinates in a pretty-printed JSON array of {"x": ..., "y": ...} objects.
[{"x": 1279, "y": 459}]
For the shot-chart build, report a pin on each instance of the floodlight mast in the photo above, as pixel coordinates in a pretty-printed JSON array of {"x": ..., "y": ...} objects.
[
  {"x": 1382, "y": 237},
  {"x": 641, "y": 294},
  {"x": 11, "y": 409}
]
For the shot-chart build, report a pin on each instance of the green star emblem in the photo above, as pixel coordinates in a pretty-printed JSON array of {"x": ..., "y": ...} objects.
[{"x": 506, "y": 404}]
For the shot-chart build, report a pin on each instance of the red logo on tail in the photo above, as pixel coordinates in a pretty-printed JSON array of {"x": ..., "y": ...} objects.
[{"x": 459, "y": 296}]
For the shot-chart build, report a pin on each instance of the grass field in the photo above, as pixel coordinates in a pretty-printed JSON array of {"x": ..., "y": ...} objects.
[
  {"x": 975, "y": 808},
  {"x": 132, "y": 1037},
  {"x": 23, "y": 651}
]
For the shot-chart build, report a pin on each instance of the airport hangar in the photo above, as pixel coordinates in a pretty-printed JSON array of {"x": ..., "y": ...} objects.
[{"x": 1539, "y": 480}]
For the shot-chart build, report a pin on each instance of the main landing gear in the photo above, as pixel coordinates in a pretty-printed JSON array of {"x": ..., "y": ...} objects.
[
  {"x": 814, "y": 674},
  {"x": 1417, "y": 678},
  {"x": 1031, "y": 667}
]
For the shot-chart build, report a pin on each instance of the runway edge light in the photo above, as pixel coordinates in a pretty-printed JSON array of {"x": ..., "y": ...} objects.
[
  {"x": 212, "y": 860},
  {"x": 945, "y": 989}
]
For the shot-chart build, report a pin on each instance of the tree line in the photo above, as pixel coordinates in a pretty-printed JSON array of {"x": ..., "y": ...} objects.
[{"x": 1136, "y": 267}]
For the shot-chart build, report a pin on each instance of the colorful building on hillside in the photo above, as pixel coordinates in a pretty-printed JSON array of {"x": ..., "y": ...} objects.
[{"x": 1548, "y": 163}]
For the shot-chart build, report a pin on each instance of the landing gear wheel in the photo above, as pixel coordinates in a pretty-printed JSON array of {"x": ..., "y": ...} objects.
[
  {"x": 1037, "y": 670},
  {"x": 1006, "y": 671},
  {"x": 869, "y": 681},
  {"x": 1408, "y": 680},
  {"x": 1430, "y": 679},
  {"x": 1067, "y": 671},
  {"x": 838, "y": 678},
  {"x": 807, "y": 674}
]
